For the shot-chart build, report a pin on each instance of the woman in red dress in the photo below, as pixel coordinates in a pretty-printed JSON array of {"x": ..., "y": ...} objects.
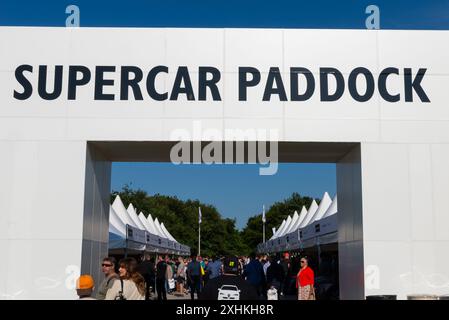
[{"x": 305, "y": 281}]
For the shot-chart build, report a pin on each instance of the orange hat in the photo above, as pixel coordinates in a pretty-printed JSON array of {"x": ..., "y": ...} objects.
[{"x": 85, "y": 281}]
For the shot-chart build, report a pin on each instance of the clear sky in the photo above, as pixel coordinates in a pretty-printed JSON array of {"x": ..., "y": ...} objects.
[{"x": 237, "y": 191}]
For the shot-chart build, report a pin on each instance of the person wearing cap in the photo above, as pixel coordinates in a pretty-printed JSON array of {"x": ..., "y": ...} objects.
[
  {"x": 85, "y": 287},
  {"x": 229, "y": 278}
]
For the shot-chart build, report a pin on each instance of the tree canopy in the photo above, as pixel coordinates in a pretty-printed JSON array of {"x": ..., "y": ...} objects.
[
  {"x": 219, "y": 236},
  {"x": 252, "y": 234}
]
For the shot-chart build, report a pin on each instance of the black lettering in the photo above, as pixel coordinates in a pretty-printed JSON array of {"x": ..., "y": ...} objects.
[
  {"x": 324, "y": 86},
  {"x": 274, "y": 75},
  {"x": 75, "y": 82},
  {"x": 126, "y": 82},
  {"x": 182, "y": 76},
  {"x": 24, "y": 82},
  {"x": 294, "y": 84},
  {"x": 352, "y": 84},
  {"x": 414, "y": 84},
  {"x": 42, "y": 83},
  {"x": 203, "y": 83},
  {"x": 244, "y": 83},
  {"x": 382, "y": 84},
  {"x": 100, "y": 82},
  {"x": 151, "y": 83}
]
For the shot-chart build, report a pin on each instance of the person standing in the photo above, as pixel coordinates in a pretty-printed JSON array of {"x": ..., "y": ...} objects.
[
  {"x": 266, "y": 263},
  {"x": 255, "y": 276},
  {"x": 286, "y": 267},
  {"x": 169, "y": 276},
  {"x": 161, "y": 278},
  {"x": 146, "y": 269},
  {"x": 305, "y": 281},
  {"x": 194, "y": 276},
  {"x": 130, "y": 286},
  {"x": 108, "y": 268},
  {"x": 213, "y": 268},
  {"x": 181, "y": 275},
  {"x": 275, "y": 275}
]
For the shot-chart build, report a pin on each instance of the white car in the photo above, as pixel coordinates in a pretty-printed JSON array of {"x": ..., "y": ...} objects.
[{"x": 228, "y": 292}]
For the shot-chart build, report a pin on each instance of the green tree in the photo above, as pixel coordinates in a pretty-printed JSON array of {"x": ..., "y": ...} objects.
[
  {"x": 218, "y": 235},
  {"x": 252, "y": 234}
]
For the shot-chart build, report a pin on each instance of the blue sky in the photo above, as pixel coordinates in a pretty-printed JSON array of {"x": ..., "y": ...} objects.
[{"x": 237, "y": 191}]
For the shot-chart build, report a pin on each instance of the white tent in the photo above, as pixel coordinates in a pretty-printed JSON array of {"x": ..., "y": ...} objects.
[
  {"x": 144, "y": 221},
  {"x": 116, "y": 225},
  {"x": 132, "y": 213},
  {"x": 122, "y": 239},
  {"x": 119, "y": 208},
  {"x": 287, "y": 225},
  {"x": 322, "y": 208},
  {"x": 152, "y": 226},
  {"x": 277, "y": 232},
  {"x": 298, "y": 221},
  {"x": 159, "y": 229},
  {"x": 302, "y": 216},
  {"x": 280, "y": 232},
  {"x": 333, "y": 208},
  {"x": 169, "y": 236},
  {"x": 309, "y": 215},
  {"x": 292, "y": 224},
  {"x": 307, "y": 222}
]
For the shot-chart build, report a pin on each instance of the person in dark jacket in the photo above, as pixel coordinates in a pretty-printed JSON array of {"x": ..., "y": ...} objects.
[
  {"x": 146, "y": 268},
  {"x": 194, "y": 276},
  {"x": 254, "y": 275},
  {"x": 275, "y": 274},
  {"x": 161, "y": 271}
]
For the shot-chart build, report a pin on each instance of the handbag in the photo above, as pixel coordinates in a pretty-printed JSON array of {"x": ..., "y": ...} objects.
[
  {"x": 120, "y": 295},
  {"x": 171, "y": 283}
]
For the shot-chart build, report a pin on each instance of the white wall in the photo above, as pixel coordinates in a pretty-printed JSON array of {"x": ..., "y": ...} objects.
[
  {"x": 96, "y": 214},
  {"x": 350, "y": 233},
  {"x": 406, "y": 238},
  {"x": 41, "y": 220},
  {"x": 404, "y": 146}
]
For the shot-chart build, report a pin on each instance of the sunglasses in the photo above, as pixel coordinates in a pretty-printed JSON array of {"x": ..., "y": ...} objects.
[
  {"x": 303, "y": 262},
  {"x": 106, "y": 265}
]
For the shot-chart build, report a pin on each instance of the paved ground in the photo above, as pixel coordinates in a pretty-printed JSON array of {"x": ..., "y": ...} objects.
[
  {"x": 187, "y": 297},
  {"x": 174, "y": 297}
]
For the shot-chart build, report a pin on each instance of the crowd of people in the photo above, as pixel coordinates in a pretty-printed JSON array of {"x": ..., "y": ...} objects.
[{"x": 225, "y": 278}]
